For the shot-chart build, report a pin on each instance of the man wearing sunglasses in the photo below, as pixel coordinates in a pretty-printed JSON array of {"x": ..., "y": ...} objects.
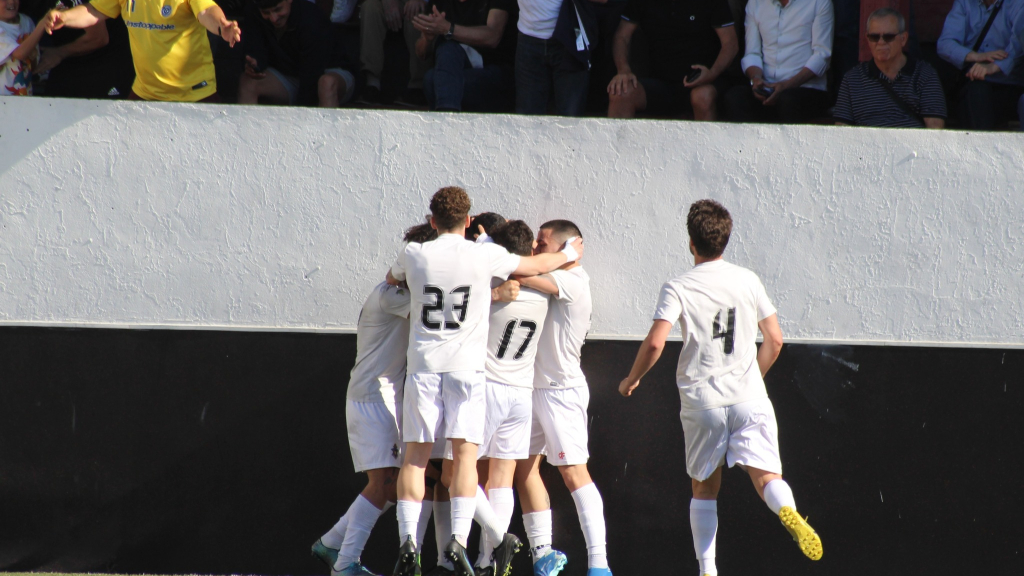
[
  {"x": 982, "y": 38},
  {"x": 892, "y": 89}
]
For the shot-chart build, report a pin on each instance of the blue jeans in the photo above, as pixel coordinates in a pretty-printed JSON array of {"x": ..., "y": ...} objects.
[
  {"x": 543, "y": 68},
  {"x": 452, "y": 84}
]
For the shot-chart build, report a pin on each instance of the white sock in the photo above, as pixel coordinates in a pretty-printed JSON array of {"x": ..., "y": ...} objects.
[
  {"x": 442, "y": 531},
  {"x": 538, "y": 532},
  {"x": 336, "y": 535},
  {"x": 463, "y": 510},
  {"x": 502, "y": 502},
  {"x": 704, "y": 525},
  {"x": 362, "y": 516},
  {"x": 408, "y": 513},
  {"x": 421, "y": 526},
  {"x": 778, "y": 494},
  {"x": 590, "y": 507},
  {"x": 486, "y": 518}
]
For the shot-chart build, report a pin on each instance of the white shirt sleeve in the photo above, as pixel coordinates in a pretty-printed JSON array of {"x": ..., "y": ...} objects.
[
  {"x": 764, "y": 305},
  {"x": 398, "y": 268},
  {"x": 670, "y": 307},
  {"x": 501, "y": 262},
  {"x": 569, "y": 285},
  {"x": 821, "y": 38},
  {"x": 752, "y": 51},
  {"x": 395, "y": 301}
]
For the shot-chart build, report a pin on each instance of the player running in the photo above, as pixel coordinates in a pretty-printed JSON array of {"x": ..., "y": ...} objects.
[
  {"x": 726, "y": 414},
  {"x": 560, "y": 400},
  {"x": 450, "y": 281},
  {"x": 373, "y": 408}
]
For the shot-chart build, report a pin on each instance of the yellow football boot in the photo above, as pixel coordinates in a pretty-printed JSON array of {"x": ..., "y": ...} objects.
[{"x": 801, "y": 531}]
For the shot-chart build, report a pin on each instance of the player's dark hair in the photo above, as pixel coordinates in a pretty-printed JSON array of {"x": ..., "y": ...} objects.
[
  {"x": 421, "y": 233},
  {"x": 449, "y": 207},
  {"x": 486, "y": 219},
  {"x": 562, "y": 230},
  {"x": 709, "y": 225},
  {"x": 514, "y": 236}
]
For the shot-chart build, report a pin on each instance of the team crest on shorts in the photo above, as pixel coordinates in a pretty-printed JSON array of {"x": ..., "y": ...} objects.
[
  {"x": 165, "y": 11},
  {"x": 394, "y": 450},
  {"x": 561, "y": 455}
]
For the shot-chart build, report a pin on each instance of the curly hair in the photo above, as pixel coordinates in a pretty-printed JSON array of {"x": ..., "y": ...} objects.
[
  {"x": 514, "y": 236},
  {"x": 709, "y": 225},
  {"x": 420, "y": 233},
  {"x": 449, "y": 206}
]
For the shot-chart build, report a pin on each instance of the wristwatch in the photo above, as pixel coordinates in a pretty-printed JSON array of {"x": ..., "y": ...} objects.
[{"x": 451, "y": 32}]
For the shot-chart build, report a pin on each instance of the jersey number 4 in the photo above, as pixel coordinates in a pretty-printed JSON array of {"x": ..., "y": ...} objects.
[
  {"x": 438, "y": 306},
  {"x": 726, "y": 333},
  {"x": 506, "y": 338}
]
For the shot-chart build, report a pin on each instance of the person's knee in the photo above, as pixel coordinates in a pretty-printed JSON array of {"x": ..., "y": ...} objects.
[
  {"x": 447, "y": 472},
  {"x": 703, "y": 98},
  {"x": 576, "y": 476},
  {"x": 704, "y": 491},
  {"x": 371, "y": 9},
  {"x": 329, "y": 84}
]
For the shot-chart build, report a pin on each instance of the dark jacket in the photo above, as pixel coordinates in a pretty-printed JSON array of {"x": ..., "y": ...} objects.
[
  {"x": 302, "y": 51},
  {"x": 580, "y": 46}
]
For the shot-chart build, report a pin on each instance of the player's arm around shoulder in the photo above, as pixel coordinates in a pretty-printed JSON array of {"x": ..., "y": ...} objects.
[
  {"x": 771, "y": 345},
  {"x": 545, "y": 284},
  {"x": 648, "y": 355},
  {"x": 551, "y": 261}
]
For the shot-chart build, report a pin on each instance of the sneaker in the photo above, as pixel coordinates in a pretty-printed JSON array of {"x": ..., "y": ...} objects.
[
  {"x": 599, "y": 572},
  {"x": 412, "y": 98},
  {"x": 326, "y": 555},
  {"x": 370, "y": 95},
  {"x": 439, "y": 570},
  {"x": 550, "y": 564},
  {"x": 408, "y": 560},
  {"x": 456, "y": 554},
  {"x": 801, "y": 531},
  {"x": 353, "y": 569},
  {"x": 503, "y": 553}
]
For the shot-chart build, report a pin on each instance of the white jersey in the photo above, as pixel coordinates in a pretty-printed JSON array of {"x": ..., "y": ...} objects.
[
  {"x": 718, "y": 306},
  {"x": 450, "y": 283},
  {"x": 537, "y": 18},
  {"x": 515, "y": 329},
  {"x": 382, "y": 339},
  {"x": 565, "y": 329}
]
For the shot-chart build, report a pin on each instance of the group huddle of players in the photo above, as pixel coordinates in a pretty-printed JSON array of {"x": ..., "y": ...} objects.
[{"x": 465, "y": 378}]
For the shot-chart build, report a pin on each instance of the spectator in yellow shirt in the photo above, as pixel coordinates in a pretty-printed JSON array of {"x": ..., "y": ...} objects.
[{"x": 173, "y": 62}]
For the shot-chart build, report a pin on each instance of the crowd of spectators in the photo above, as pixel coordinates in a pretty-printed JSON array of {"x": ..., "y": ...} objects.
[{"x": 746, "y": 61}]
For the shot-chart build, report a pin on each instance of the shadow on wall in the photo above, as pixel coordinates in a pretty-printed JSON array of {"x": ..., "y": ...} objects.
[{"x": 226, "y": 452}]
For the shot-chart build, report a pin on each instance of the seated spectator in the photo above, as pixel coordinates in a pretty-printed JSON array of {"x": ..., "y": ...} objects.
[
  {"x": 992, "y": 64},
  {"x": 170, "y": 49},
  {"x": 19, "y": 48},
  {"x": 376, "y": 17},
  {"x": 473, "y": 47},
  {"x": 892, "y": 89},
  {"x": 686, "y": 37},
  {"x": 288, "y": 43},
  {"x": 95, "y": 62},
  {"x": 546, "y": 68},
  {"x": 789, "y": 46}
]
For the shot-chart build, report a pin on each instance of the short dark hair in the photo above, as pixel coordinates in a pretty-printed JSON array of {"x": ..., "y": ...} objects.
[
  {"x": 420, "y": 233},
  {"x": 887, "y": 12},
  {"x": 562, "y": 229},
  {"x": 709, "y": 225},
  {"x": 486, "y": 219},
  {"x": 514, "y": 236},
  {"x": 449, "y": 206}
]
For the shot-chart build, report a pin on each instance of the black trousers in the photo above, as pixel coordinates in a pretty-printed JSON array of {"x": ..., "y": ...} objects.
[
  {"x": 794, "y": 106},
  {"x": 986, "y": 105}
]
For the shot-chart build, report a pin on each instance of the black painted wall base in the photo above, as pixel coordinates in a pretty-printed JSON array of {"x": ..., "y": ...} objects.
[{"x": 226, "y": 452}]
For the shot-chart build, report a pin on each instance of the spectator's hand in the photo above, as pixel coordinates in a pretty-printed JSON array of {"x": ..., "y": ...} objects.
[
  {"x": 251, "y": 67},
  {"x": 230, "y": 32},
  {"x": 979, "y": 71},
  {"x": 704, "y": 78},
  {"x": 779, "y": 87},
  {"x": 755, "y": 84},
  {"x": 53, "y": 20},
  {"x": 392, "y": 14},
  {"x": 986, "y": 56},
  {"x": 414, "y": 7},
  {"x": 433, "y": 24},
  {"x": 49, "y": 58},
  {"x": 622, "y": 84}
]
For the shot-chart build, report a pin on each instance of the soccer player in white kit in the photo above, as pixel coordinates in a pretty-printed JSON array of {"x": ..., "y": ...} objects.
[
  {"x": 560, "y": 400},
  {"x": 450, "y": 282},
  {"x": 726, "y": 414},
  {"x": 373, "y": 409}
]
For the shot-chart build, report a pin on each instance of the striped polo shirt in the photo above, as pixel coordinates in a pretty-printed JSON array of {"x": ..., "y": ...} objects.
[{"x": 863, "y": 101}]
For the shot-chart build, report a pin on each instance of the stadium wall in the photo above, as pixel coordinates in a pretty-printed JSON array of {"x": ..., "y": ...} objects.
[{"x": 229, "y": 217}]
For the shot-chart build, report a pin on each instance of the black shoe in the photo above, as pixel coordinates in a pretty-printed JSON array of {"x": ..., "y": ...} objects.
[
  {"x": 408, "y": 560},
  {"x": 456, "y": 554},
  {"x": 370, "y": 95},
  {"x": 412, "y": 98},
  {"x": 503, "y": 553},
  {"x": 485, "y": 571}
]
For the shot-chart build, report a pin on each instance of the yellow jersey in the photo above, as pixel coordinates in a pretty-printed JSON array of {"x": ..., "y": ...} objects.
[{"x": 172, "y": 54}]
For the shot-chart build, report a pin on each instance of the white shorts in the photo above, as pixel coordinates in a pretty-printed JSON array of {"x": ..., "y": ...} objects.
[
  {"x": 447, "y": 405},
  {"x": 373, "y": 434},
  {"x": 507, "y": 425},
  {"x": 745, "y": 434},
  {"x": 560, "y": 425},
  {"x": 291, "y": 84}
]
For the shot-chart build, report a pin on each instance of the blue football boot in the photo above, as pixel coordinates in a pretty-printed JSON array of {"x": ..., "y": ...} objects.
[{"x": 550, "y": 564}]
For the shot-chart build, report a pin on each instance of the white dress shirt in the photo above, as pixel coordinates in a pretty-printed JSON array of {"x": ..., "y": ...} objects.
[{"x": 781, "y": 41}]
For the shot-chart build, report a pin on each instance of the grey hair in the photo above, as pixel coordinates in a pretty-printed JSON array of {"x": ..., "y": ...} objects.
[{"x": 885, "y": 13}]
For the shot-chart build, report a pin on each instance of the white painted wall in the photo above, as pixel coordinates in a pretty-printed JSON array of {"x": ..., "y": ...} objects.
[{"x": 282, "y": 218}]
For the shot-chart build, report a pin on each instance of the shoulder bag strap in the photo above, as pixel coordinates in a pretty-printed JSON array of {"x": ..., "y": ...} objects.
[{"x": 984, "y": 31}]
